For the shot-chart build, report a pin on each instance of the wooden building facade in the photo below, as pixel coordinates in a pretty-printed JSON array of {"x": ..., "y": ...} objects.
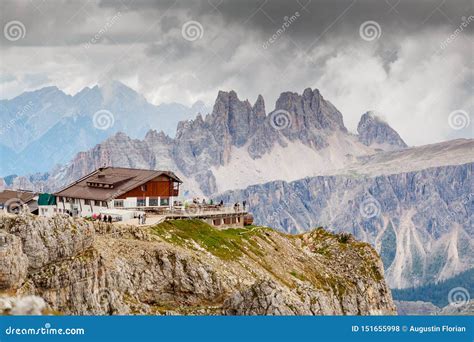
[{"x": 118, "y": 188}]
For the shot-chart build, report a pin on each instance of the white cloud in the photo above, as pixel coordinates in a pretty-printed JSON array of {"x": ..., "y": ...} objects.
[{"x": 416, "y": 93}]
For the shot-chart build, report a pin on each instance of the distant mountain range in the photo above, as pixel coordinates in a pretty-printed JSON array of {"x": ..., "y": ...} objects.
[
  {"x": 298, "y": 167},
  {"x": 420, "y": 221},
  {"x": 238, "y": 144},
  {"x": 46, "y": 127}
]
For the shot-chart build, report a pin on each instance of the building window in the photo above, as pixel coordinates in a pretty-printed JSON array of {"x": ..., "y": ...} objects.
[
  {"x": 141, "y": 202},
  {"x": 118, "y": 203},
  {"x": 227, "y": 220},
  {"x": 153, "y": 202},
  {"x": 143, "y": 187},
  {"x": 104, "y": 204},
  {"x": 87, "y": 202},
  {"x": 216, "y": 222},
  {"x": 165, "y": 201},
  {"x": 97, "y": 203}
]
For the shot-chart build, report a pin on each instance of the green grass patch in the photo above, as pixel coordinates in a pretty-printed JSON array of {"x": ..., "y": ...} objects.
[{"x": 224, "y": 243}]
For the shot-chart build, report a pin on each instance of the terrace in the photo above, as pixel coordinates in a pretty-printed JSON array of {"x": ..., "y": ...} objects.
[{"x": 215, "y": 215}]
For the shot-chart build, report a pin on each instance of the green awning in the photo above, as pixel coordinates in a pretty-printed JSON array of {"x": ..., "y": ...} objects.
[{"x": 46, "y": 199}]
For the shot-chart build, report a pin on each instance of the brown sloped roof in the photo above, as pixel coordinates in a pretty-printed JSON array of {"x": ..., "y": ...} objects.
[
  {"x": 116, "y": 180},
  {"x": 24, "y": 196}
]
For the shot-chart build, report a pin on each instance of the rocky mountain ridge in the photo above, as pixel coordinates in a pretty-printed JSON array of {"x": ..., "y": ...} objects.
[
  {"x": 83, "y": 268},
  {"x": 40, "y": 129},
  {"x": 374, "y": 131},
  {"x": 420, "y": 222},
  {"x": 238, "y": 144}
]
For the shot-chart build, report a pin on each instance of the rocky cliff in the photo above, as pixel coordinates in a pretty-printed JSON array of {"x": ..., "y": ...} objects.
[
  {"x": 373, "y": 131},
  {"x": 185, "y": 267},
  {"x": 421, "y": 222}
]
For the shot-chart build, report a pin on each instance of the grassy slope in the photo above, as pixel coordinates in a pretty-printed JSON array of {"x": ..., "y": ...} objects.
[
  {"x": 223, "y": 243},
  {"x": 232, "y": 243}
]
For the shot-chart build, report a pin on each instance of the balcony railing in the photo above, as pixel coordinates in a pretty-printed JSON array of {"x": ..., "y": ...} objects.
[{"x": 197, "y": 210}]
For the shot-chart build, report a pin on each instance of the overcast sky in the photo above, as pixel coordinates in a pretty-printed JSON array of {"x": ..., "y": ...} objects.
[{"x": 404, "y": 65}]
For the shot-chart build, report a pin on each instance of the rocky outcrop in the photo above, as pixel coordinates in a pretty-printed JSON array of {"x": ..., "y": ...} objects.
[
  {"x": 188, "y": 267},
  {"x": 14, "y": 263},
  {"x": 22, "y": 305},
  {"x": 373, "y": 131},
  {"x": 48, "y": 240}
]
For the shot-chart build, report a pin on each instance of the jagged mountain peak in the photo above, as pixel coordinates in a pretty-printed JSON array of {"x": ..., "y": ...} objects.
[
  {"x": 225, "y": 101},
  {"x": 189, "y": 126},
  {"x": 375, "y": 131},
  {"x": 260, "y": 101},
  {"x": 48, "y": 89},
  {"x": 310, "y": 111},
  {"x": 234, "y": 130},
  {"x": 225, "y": 96},
  {"x": 45, "y": 92},
  {"x": 113, "y": 139},
  {"x": 199, "y": 120},
  {"x": 259, "y": 108},
  {"x": 154, "y": 136}
]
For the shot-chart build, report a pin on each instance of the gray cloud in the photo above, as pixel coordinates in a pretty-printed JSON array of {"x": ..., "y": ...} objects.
[{"x": 405, "y": 74}]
